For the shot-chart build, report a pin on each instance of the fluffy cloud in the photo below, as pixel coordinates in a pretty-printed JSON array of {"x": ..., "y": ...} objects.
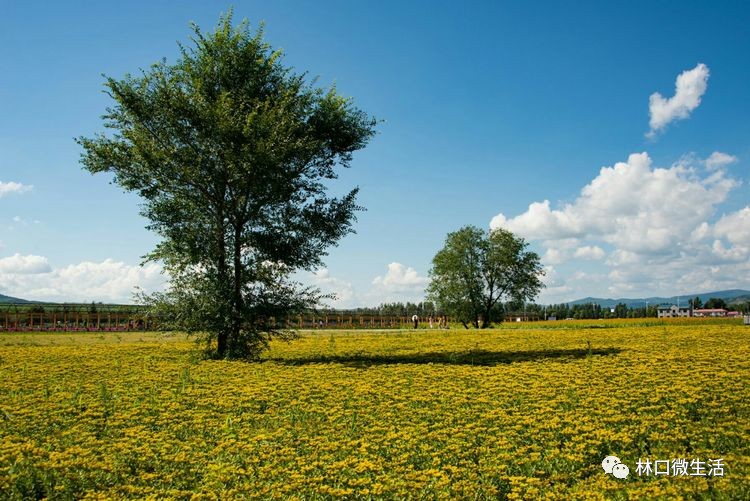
[
  {"x": 735, "y": 227},
  {"x": 554, "y": 285},
  {"x": 719, "y": 159},
  {"x": 400, "y": 283},
  {"x": 559, "y": 251},
  {"x": 630, "y": 205},
  {"x": 660, "y": 224},
  {"x": 689, "y": 88},
  {"x": 400, "y": 277},
  {"x": 24, "y": 265},
  {"x": 13, "y": 187},
  {"x": 554, "y": 256},
  {"x": 344, "y": 291},
  {"x": 592, "y": 252},
  {"x": 31, "y": 277}
]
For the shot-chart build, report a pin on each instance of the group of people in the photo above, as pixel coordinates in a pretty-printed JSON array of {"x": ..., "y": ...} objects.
[{"x": 442, "y": 321}]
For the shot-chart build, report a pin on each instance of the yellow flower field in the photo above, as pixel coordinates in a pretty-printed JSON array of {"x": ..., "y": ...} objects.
[{"x": 512, "y": 413}]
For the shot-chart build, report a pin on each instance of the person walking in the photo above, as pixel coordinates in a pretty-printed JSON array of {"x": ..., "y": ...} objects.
[{"x": 415, "y": 319}]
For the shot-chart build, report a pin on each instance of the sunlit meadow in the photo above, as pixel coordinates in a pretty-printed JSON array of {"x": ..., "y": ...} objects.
[{"x": 516, "y": 413}]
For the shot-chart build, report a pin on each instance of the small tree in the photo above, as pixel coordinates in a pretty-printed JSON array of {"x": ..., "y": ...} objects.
[
  {"x": 475, "y": 271},
  {"x": 716, "y": 303},
  {"x": 231, "y": 153},
  {"x": 697, "y": 303}
]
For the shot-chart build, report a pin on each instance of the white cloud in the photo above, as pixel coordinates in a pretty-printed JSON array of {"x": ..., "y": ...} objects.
[
  {"x": 554, "y": 256},
  {"x": 719, "y": 159},
  {"x": 592, "y": 252},
  {"x": 554, "y": 286},
  {"x": 400, "y": 283},
  {"x": 735, "y": 227},
  {"x": 400, "y": 277},
  {"x": 107, "y": 281},
  {"x": 689, "y": 88},
  {"x": 630, "y": 205},
  {"x": 540, "y": 222},
  {"x": 24, "y": 265},
  {"x": 13, "y": 187},
  {"x": 735, "y": 253},
  {"x": 344, "y": 291},
  {"x": 660, "y": 223}
]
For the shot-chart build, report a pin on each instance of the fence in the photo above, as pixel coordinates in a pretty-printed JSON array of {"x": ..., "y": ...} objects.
[
  {"x": 71, "y": 317},
  {"x": 87, "y": 317},
  {"x": 354, "y": 321}
]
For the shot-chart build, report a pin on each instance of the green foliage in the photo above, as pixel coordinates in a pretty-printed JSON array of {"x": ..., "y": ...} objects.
[
  {"x": 475, "y": 271},
  {"x": 697, "y": 303},
  {"x": 230, "y": 152},
  {"x": 715, "y": 303}
]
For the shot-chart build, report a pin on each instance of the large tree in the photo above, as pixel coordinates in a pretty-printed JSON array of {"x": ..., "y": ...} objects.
[
  {"x": 231, "y": 153},
  {"x": 475, "y": 271}
]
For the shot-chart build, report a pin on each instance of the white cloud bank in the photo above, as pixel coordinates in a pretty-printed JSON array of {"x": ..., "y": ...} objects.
[
  {"x": 658, "y": 224},
  {"x": 689, "y": 88},
  {"x": 31, "y": 277},
  {"x": 24, "y": 265},
  {"x": 630, "y": 205},
  {"x": 399, "y": 283},
  {"x": 13, "y": 187}
]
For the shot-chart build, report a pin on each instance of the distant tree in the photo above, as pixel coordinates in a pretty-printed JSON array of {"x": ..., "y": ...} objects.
[
  {"x": 715, "y": 303},
  {"x": 621, "y": 310},
  {"x": 476, "y": 270},
  {"x": 231, "y": 153},
  {"x": 696, "y": 303}
]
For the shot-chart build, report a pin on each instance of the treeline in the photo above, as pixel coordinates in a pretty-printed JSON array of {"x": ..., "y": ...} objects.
[
  {"x": 536, "y": 311},
  {"x": 593, "y": 311},
  {"x": 506, "y": 310},
  {"x": 423, "y": 309}
]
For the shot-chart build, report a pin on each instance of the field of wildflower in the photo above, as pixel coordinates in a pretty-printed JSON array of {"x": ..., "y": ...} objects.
[{"x": 520, "y": 412}]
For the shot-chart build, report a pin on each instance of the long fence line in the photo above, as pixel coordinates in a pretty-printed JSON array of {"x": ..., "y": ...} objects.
[
  {"x": 85, "y": 317},
  {"x": 26, "y": 317}
]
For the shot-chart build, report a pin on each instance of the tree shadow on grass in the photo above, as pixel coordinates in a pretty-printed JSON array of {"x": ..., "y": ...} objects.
[{"x": 471, "y": 357}]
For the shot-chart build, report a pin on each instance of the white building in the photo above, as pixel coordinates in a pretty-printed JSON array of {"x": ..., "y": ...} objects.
[{"x": 673, "y": 311}]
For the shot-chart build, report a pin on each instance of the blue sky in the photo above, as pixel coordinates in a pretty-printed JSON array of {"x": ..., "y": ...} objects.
[{"x": 489, "y": 109}]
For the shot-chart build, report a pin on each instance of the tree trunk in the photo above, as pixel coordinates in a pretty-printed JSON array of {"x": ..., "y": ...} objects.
[
  {"x": 223, "y": 335},
  {"x": 237, "y": 283},
  {"x": 221, "y": 349},
  {"x": 465, "y": 325}
]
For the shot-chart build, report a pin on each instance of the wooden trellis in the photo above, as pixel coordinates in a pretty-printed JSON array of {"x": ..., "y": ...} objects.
[
  {"x": 74, "y": 317},
  {"x": 87, "y": 317}
]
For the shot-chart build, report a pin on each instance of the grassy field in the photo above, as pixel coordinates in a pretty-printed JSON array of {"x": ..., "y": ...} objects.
[{"x": 519, "y": 412}]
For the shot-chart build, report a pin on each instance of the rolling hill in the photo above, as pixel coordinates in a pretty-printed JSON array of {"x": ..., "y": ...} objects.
[
  {"x": 730, "y": 296},
  {"x": 9, "y": 300}
]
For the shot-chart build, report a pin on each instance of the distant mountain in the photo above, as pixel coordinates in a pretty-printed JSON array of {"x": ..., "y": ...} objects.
[
  {"x": 730, "y": 296},
  {"x": 8, "y": 299},
  {"x": 739, "y": 300}
]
